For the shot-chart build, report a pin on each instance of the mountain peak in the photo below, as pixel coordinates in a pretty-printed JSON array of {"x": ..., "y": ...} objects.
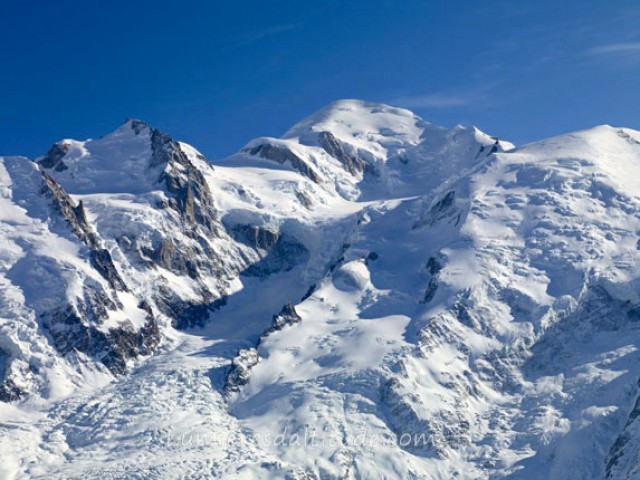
[
  {"x": 358, "y": 121},
  {"x": 128, "y": 127},
  {"x": 135, "y": 125},
  {"x": 601, "y": 140},
  {"x": 116, "y": 162}
]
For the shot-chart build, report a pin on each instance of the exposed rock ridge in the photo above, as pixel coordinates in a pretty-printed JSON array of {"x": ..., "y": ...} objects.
[
  {"x": 76, "y": 217},
  {"x": 192, "y": 196},
  {"x": 351, "y": 163},
  {"x": 282, "y": 155},
  {"x": 53, "y": 158},
  {"x": 248, "y": 358}
]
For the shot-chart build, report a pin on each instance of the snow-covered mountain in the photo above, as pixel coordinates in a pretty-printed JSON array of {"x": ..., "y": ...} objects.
[{"x": 369, "y": 296}]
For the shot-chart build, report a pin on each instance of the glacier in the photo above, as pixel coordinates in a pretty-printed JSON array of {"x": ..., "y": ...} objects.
[{"x": 369, "y": 296}]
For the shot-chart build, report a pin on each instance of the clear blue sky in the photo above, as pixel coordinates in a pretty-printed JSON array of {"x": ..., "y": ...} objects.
[{"x": 216, "y": 74}]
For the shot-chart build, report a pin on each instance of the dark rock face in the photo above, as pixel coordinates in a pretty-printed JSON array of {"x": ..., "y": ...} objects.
[
  {"x": 304, "y": 199},
  {"x": 103, "y": 263},
  {"x": 192, "y": 258},
  {"x": 187, "y": 314},
  {"x": 137, "y": 126},
  {"x": 193, "y": 201},
  {"x": 278, "y": 251},
  {"x": 433, "y": 267},
  {"x": 444, "y": 208},
  {"x": 284, "y": 255},
  {"x": 73, "y": 214},
  {"x": 282, "y": 155},
  {"x": 493, "y": 149},
  {"x": 241, "y": 366},
  {"x": 9, "y": 390},
  {"x": 308, "y": 293},
  {"x": 248, "y": 358},
  {"x": 257, "y": 237},
  {"x": 76, "y": 217},
  {"x": 75, "y": 330},
  {"x": 351, "y": 163},
  {"x": 181, "y": 244},
  {"x": 287, "y": 316},
  {"x": 149, "y": 335},
  {"x": 192, "y": 197},
  {"x": 181, "y": 260},
  {"x": 53, "y": 158},
  {"x": 444, "y": 203},
  {"x": 617, "y": 450}
]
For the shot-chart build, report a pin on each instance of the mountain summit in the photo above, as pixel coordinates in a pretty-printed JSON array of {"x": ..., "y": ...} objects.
[{"x": 368, "y": 296}]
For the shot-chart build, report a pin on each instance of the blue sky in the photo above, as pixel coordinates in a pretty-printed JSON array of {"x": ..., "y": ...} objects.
[{"x": 216, "y": 74}]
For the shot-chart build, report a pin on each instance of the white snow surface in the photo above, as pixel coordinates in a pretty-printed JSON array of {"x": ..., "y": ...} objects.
[{"x": 466, "y": 309}]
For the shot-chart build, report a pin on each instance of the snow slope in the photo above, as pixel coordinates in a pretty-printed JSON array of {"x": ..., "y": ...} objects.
[{"x": 369, "y": 296}]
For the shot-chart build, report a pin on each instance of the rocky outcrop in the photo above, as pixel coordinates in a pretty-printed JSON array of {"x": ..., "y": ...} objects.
[
  {"x": 287, "y": 316},
  {"x": 278, "y": 251},
  {"x": 76, "y": 218},
  {"x": 12, "y": 378},
  {"x": 241, "y": 366},
  {"x": 371, "y": 257},
  {"x": 53, "y": 158},
  {"x": 101, "y": 260},
  {"x": 351, "y": 163},
  {"x": 77, "y": 329},
  {"x": 191, "y": 254},
  {"x": 192, "y": 314},
  {"x": 282, "y": 155},
  {"x": 187, "y": 313},
  {"x": 487, "y": 150},
  {"x": 10, "y": 391},
  {"x": 191, "y": 194},
  {"x": 74, "y": 214},
  {"x": 433, "y": 267},
  {"x": 77, "y": 326},
  {"x": 248, "y": 358},
  {"x": 284, "y": 255},
  {"x": 443, "y": 208},
  {"x": 622, "y": 448},
  {"x": 181, "y": 260},
  {"x": 257, "y": 237}
]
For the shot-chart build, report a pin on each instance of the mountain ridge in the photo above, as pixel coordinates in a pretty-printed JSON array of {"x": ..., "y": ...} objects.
[{"x": 466, "y": 306}]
